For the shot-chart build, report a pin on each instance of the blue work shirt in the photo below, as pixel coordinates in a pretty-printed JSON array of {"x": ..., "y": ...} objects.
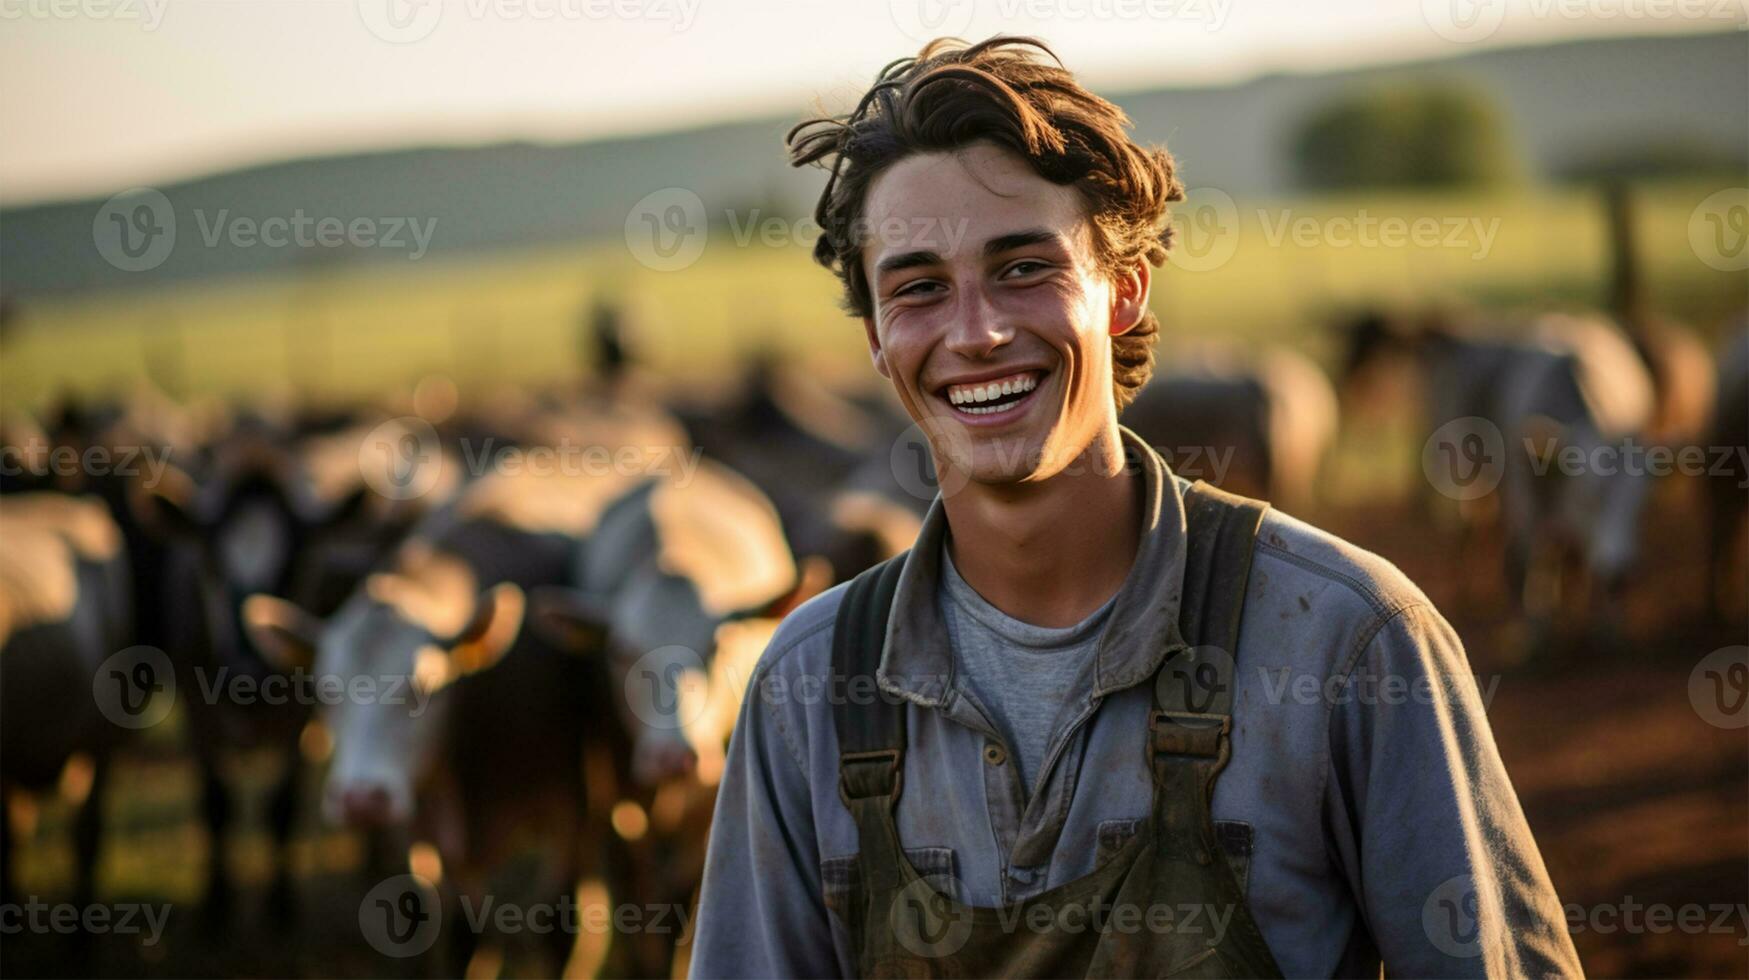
[{"x": 1365, "y": 808}]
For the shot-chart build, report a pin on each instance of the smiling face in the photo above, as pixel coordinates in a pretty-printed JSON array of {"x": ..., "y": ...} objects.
[{"x": 991, "y": 314}]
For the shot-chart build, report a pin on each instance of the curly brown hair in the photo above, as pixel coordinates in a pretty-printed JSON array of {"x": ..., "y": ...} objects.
[{"x": 1003, "y": 92}]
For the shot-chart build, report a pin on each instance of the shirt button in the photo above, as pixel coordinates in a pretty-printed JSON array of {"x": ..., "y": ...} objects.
[{"x": 995, "y": 754}]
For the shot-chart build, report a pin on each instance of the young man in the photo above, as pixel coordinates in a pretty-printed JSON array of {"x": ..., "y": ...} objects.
[{"x": 1080, "y": 643}]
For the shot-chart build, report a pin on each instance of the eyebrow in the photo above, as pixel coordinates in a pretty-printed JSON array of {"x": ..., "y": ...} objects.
[{"x": 995, "y": 246}]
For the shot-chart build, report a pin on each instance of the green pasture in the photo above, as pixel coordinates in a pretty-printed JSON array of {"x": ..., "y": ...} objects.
[{"x": 511, "y": 316}]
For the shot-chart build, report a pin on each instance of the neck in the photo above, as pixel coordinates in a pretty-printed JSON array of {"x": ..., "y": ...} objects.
[{"x": 1051, "y": 553}]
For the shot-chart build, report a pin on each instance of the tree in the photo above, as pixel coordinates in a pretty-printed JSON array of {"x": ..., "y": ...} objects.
[{"x": 1425, "y": 135}]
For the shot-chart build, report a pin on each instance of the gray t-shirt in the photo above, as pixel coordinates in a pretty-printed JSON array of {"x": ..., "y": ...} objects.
[{"x": 1020, "y": 675}]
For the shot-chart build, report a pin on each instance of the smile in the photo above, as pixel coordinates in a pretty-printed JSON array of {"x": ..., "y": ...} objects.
[{"x": 993, "y": 396}]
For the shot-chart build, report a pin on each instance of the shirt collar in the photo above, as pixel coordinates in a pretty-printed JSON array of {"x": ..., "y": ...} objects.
[{"x": 917, "y": 663}]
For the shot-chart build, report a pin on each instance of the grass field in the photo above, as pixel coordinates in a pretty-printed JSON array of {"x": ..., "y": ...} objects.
[{"x": 510, "y": 316}]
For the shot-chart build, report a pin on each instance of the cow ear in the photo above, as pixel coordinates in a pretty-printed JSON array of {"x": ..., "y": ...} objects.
[
  {"x": 568, "y": 618},
  {"x": 497, "y": 620},
  {"x": 813, "y": 576},
  {"x": 283, "y": 634}
]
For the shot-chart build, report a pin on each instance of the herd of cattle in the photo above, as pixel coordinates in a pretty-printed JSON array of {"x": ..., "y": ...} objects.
[{"x": 556, "y": 653}]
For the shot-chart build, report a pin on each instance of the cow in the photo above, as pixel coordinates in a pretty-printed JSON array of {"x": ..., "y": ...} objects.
[
  {"x": 269, "y": 516},
  {"x": 468, "y": 759},
  {"x": 1261, "y": 426},
  {"x": 1577, "y": 392},
  {"x": 679, "y": 590},
  {"x": 64, "y": 611}
]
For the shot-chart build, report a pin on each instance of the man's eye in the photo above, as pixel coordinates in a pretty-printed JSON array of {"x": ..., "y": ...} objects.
[
  {"x": 1025, "y": 267},
  {"x": 917, "y": 287}
]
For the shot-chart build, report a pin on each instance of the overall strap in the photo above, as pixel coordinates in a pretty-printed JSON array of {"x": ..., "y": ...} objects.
[
  {"x": 871, "y": 729},
  {"x": 1193, "y": 691}
]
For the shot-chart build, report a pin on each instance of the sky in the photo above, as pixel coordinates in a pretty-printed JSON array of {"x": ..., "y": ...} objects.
[{"x": 100, "y": 95}]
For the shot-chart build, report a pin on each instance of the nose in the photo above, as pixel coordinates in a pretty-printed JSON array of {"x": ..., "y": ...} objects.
[
  {"x": 364, "y": 805},
  {"x": 977, "y": 330}
]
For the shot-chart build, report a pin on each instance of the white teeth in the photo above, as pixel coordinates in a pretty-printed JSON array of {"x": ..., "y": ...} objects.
[
  {"x": 973, "y": 394},
  {"x": 968, "y": 398}
]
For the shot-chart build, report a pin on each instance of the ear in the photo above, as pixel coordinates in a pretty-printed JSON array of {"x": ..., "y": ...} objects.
[
  {"x": 283, "y": 634},
  {"x": 497, "y": 620},
  {"x": 1129, "y": 297},
  {"x": 874, "y": 347},
  {"x": 568, "y": 618}
]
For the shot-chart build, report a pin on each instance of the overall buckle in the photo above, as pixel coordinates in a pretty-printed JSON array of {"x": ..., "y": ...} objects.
[
  {"x": 867, "y": 775},
  {"x": 1189, "y": 733}
]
